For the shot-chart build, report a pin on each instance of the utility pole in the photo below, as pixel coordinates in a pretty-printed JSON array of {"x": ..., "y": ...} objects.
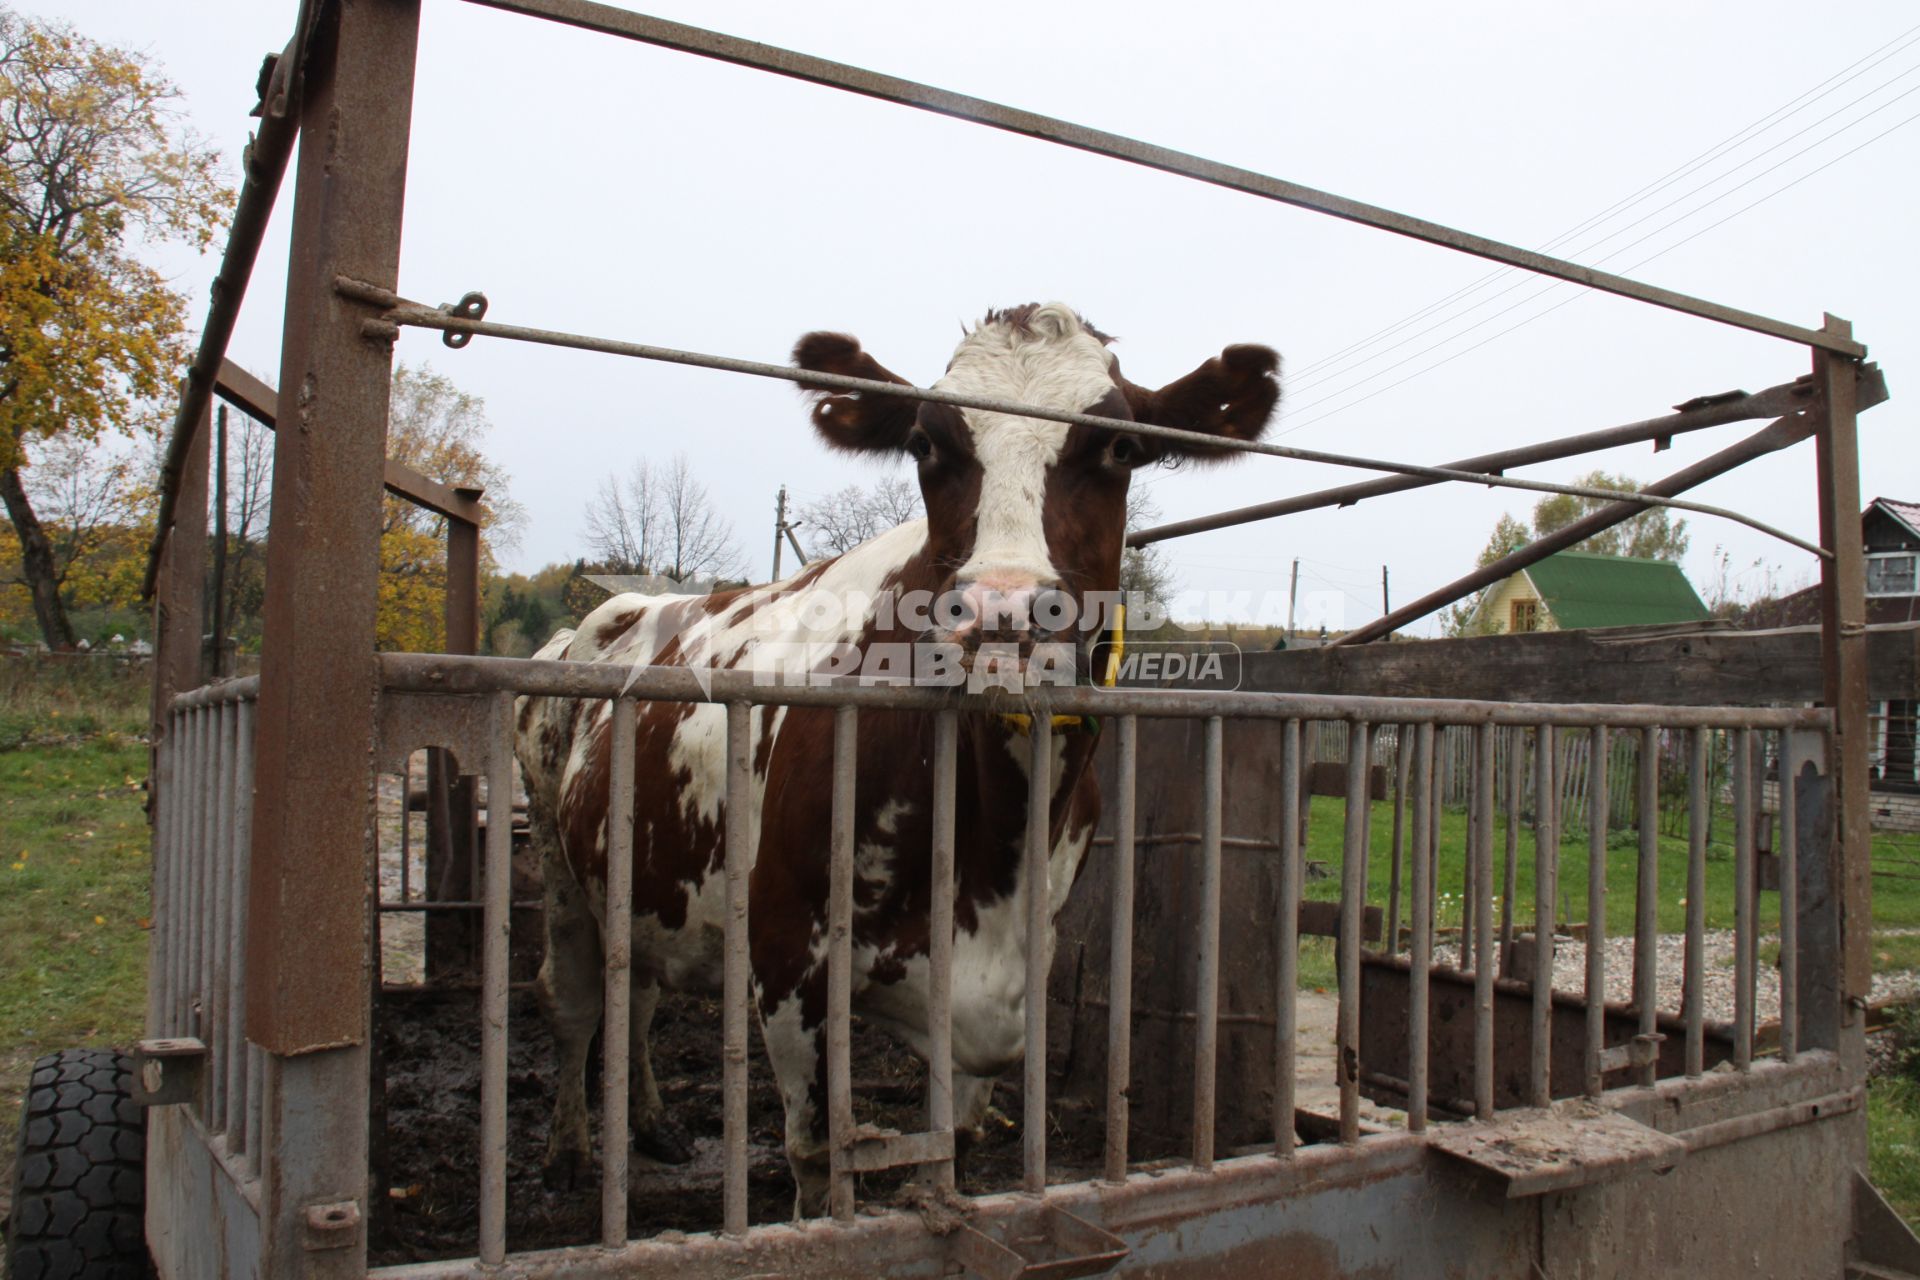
[
  {"x": 1386, "y": 604},
  {"x": 1293, "y": 591},
  {"x": 779, "y": 530}
]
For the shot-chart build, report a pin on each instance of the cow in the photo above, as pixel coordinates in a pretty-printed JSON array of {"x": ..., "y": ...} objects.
[{"x": 1017, "y": 508}]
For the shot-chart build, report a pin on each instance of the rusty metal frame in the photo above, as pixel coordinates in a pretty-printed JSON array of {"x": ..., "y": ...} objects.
[{"x": 283, "y": 1010}]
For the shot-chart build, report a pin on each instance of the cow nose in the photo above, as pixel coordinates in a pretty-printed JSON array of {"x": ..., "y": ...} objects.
[{"x": 1001, "y": 607}]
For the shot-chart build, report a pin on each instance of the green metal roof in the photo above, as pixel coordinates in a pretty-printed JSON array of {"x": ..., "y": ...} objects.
[{"x": 1582, "y": 589}]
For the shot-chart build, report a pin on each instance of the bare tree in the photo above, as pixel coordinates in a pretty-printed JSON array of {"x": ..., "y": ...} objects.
[
  {"x": 1145, "y": 571},
  {"x": 841, "y": 521},
  {"x": 661, "y": 519}
]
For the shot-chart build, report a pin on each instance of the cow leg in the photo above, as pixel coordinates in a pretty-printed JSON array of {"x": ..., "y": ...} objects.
[
  {"x": 799, "y": 1057},
  {"x": 655, "y": 1133},
  {"x": 570, "y": 994}
]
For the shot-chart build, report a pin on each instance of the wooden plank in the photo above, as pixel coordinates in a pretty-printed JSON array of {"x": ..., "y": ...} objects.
[{"x": 1690, "y": 665}]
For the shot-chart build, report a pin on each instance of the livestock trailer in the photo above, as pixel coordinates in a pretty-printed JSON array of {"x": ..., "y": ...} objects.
[{"x": 1528, "y": 1131}]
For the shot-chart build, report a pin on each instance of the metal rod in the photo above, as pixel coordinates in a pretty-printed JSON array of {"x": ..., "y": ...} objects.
[
  {"x": 172, "y": 783},
  {"x": 1039, "y": 891},
  {"x": 1353, "y": 890},
  {"x": 1743, "y": 935},
  {"x": 1483, "y": 793},
  {"x": 1777, "y": 435},
  {"x": 1510, "y": 877},
  {"x": 1789, "y": 899},
  {"x": 205, "y": 767},
  {"x": 239, "y": 1129},
  {"x": 736, "y": 966},
  {"x": 1120, "y": 953},
  {"x": 1470, "y": 868},
  {"x": 1286, "y": 993},
  {"x": 1646, "y": 926},
  {"x": 1771, "y": 403},
  {"x": 220, "y": 932},
  {"x": 946, "y": 731},
  {"x": 840, "y": 1197},
  {"x": 1598, "y": 810},
  {"x": 265, "y": 161},
  {"x": 1694, "y": 997},
  {"x": 709, "y": 44},
  {"x": 617, "y": 948},
  {"x": 405, "y": 313},
  {"x": 495, "y": 939},
  {"x": 1206, "y": 1002},
  {"x": 406, "y": 827},
  {"x": 457, "y": 674},
  {"x": 1420, "y": 960},
  {"x": 1402, "y": 761},
  {"x": 1546, "y": 858}
]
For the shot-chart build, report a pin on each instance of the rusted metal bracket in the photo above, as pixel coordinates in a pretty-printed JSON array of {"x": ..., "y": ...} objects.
[
  {"x": 472, "y": 306},
  {"x": 330, "y": 1226},
  {"x": 1641, "y": 1051},
  {"x": 410, "y": 721},
  {"x": 1575, "y": 1144},
  {"x": 166, "y": 1072},
  {"x": 873, "y": 1149},
  {"x": 1065, "y": 1246}
]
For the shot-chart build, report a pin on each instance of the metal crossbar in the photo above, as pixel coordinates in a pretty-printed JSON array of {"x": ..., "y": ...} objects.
[{"x": 398, "y": 311}]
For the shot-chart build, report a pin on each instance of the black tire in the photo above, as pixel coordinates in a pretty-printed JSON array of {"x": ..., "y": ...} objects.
[{"x": 79, "y": 1184}]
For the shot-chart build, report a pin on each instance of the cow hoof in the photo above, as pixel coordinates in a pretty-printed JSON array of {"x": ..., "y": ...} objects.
[
  {"x": 664, "y": 1141},
  {"x": 564, "y": 1170}
]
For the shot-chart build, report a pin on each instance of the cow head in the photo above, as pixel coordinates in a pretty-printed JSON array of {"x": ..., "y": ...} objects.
[{"x": 1019, "y": 509}]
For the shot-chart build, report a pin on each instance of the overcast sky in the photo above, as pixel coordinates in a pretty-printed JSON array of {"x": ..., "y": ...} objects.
[{"x": 591, "y": 184}]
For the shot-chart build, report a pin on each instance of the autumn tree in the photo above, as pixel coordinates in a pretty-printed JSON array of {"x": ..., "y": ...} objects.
[
  {"x": 841, "y": 521},
  {"x": 437, "y": 429},
  {"x": 1145, "y": 572},
  {"x": 661, "y": 520},
  {"x": 95, "y": 159},
  {"x": 95, "y": 507}
]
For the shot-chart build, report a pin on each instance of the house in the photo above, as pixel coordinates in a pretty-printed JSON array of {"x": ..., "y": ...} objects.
[
  {"x": 1570, "y": 590},
  {"x": 1890, "y": 530}
]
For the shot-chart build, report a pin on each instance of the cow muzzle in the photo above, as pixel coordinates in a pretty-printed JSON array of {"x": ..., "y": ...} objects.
[{"x": 1008, "y": 612}]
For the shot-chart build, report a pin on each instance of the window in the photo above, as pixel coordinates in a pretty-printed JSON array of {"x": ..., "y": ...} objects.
[
  {"x": 1524, "y": 615},
  {"x": 1891, "y": 573}
]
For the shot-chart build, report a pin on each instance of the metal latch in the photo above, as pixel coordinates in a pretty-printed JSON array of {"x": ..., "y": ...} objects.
[
  {"x": 1058, "y": 1246},
  {"x": 167, "y": 1072}
]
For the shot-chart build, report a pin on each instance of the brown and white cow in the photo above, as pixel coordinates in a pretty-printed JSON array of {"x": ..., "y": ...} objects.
[{"x": 1015, "y": 506}]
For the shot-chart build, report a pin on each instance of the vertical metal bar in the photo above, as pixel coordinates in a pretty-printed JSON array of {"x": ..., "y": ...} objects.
[
  {"x": 1744, "y": 941},
  {"x": 1694, "y": 997},
  {"x": 1435, "y": 820},
  {"x": 1403, "y": 759},
  {"x": 1353, "y": 889},
  {"x": 1120, "y": 957},
  {"x": 202, "y": 801},
  {"x": 1470, "y": 864},
  {"x": 1420, "y": 961},
  {"x": 617, "y": 946},
  {"x": 1546, "y": 860},
  {"x": 736, "y": 964},
  {"x": 239, "y": 1104},
  {"x": 1206, "y": 1003},
  {"x": 1510, "y": 878},
  {"x": 1039, "y": 891},
  {"x": 1789, "y": 846},
  {"x": 840, "y": 965},
  {"x": 222, "y": 922},
  {"x": 1599, "y": 809},
  {"x": 1483, "y": 801},
  {"x": 406, "y": 828},
  {"x": 494, "y": 927},
  {"x": 166, "y": 872},
  {"x": 1646, "y": 920},
  {"x": 1286, "y": 994},
  {"x": 946, "y": 733}
]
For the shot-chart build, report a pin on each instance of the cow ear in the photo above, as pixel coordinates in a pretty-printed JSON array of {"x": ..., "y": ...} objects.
[
  {"x": 1232, "y": 395},
  {"x": 850, "y": 420}
]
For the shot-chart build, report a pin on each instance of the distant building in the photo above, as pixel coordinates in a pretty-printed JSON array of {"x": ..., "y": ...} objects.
[
  {"x": 1891, "y": 532},
  {"x": 1572, "y": 590}
]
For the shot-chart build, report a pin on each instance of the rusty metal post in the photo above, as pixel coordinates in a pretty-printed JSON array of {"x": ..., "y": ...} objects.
[
  {"x": 496, "y": 936},
  {"x": 1206, "y": 1000},
  {"x": 1286, "y": 994},
  {"x": 1402, "y": 761},
  {"x": 616, "y": 934},
  {"x": 1743, "y": 913},
  {"x": 946, "y": 755},
  {"x": 840, "y": 1189},
  {"x": 1693, "y": 992},
  {"x": 1843, "y": 648},
  {"x": 1646, "y": 905},
  {"x": 1039, "y": 895},
  {"x": 1510, "y": 873},
  {"x": 308, "y": 953},
  {"x": 451, "y": 807},
  {"x": 1598, "y": 811},
  {"x": 737, "y": 961},
  {"x": 1420, "y": 958},
  {"x": 1481, "y": 854},
  {"x": 179, "y": 596},
  {"x": 1353, "y": 893},
  {"x": 1120, "y": 952},
  {"x": 1546, "y": 862}
]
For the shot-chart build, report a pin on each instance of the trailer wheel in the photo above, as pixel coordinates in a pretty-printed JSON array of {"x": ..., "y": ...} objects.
[{"x": 79, "y": 1185}]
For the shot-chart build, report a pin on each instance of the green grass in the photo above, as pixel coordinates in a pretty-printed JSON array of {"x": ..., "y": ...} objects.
[
  {"x": 1893, "y": 1143},
  {"x": 50, "y": 701},
  {"x": 1895, "y": 903},
  {"x": 74, "y": 876}
]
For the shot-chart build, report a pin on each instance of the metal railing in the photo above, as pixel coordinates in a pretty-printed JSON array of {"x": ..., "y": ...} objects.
[
  {"x": 490, "y": 685},
  {"x": 202, "y": 834}
]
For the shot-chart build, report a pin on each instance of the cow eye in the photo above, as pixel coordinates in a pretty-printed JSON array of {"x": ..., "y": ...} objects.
[
  {"x": 1125, "y": 451},
  {"x": 919, "y": 444}
]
